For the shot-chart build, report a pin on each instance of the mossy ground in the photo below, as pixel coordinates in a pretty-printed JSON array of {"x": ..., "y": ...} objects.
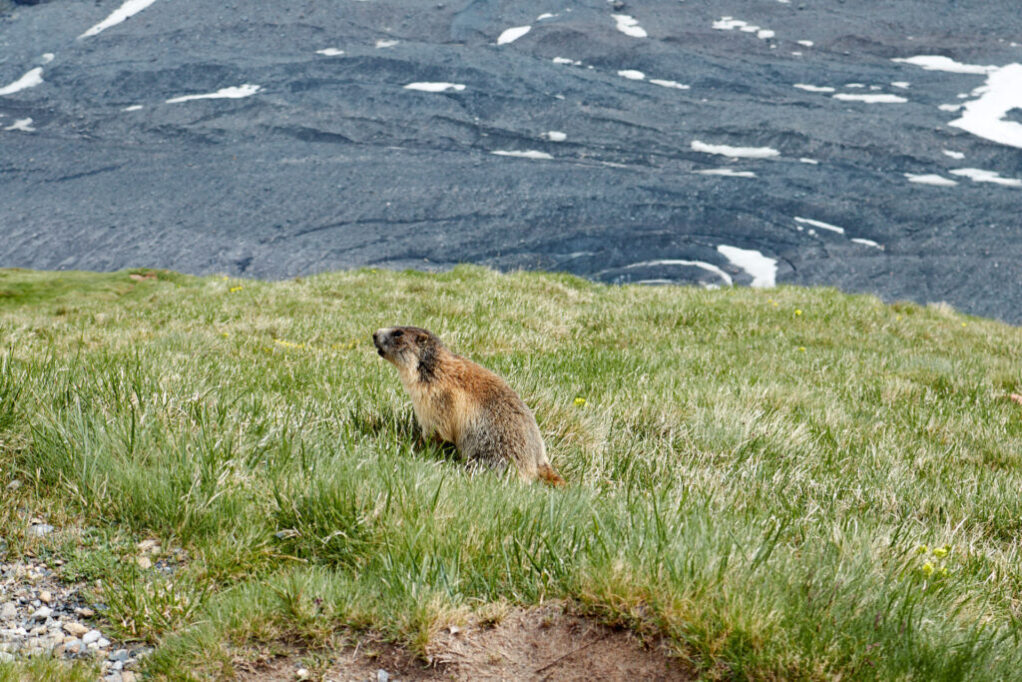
[{"x": 789, "y": 483}]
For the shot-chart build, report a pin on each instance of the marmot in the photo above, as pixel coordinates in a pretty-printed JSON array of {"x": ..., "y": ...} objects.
[{"x": 465, "y": 404}]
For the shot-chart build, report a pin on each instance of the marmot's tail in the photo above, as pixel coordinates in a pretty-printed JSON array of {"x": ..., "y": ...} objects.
[{"x": 547, "y": 473}]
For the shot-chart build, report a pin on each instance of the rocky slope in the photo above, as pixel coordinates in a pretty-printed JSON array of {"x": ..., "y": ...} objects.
[{"x": 745, "y": 142}]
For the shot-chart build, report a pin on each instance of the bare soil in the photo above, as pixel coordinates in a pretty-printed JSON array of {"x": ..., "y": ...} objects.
[{"x": 527, "y": 644}]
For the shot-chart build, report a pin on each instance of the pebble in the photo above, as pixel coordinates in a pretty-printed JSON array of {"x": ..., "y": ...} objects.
[
  {"x": 76, "y": 629},
  {"x": 40, "y": 530},
  {"x": 382, "y": 675},
  {"x": 41, "y": 616},
  {"x": 302, "y": 674}
]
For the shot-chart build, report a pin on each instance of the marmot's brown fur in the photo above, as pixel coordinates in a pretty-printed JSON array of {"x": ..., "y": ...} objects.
[{"x": 466, "y": 404}]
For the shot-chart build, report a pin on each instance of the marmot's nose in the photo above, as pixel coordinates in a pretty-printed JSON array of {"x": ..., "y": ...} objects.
[{"x": 376, "y": 339}]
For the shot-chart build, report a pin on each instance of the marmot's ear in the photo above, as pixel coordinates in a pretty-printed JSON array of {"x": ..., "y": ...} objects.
[{"x": 428, "y": 360}]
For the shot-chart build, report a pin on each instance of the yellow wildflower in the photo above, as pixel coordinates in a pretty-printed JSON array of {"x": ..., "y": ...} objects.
[
  {"x": 235, "y": 289},
  {"x": 802, "y": 348},
  {"x": 922, "y": 549},
  {"x": 798, "y": 311},
  {"x": 941, "y": 552},
  {"x": 928, "y": 569},
  {"x": 579, "y": 402}
]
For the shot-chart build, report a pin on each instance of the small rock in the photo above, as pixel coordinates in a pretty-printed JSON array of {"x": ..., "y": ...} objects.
[
  {"x": 382, "y": 675},
  {"x": 14, "y": 485},
  {"x": 302, "y": 674},
  {"x": 6, "y": 657},
  {"x": 8, "y": 611},
  {"x": 85, "y": 613},
  {"x": 127, "y": 676},
  {"x": 45, "y": 596},
  {"x": 76, "y": 629},
  {"x": 144, "y": 562},
  {"x": 148, "y": 545},
  {"x": 113, "y": 677},
  {"x": 103, "y": 642},
  {"x": 40, "y": 530},
  {"x": 120, "y": 655},
  {"x": 117, "y": 665},
  {"x": 92, "y": 636},
  {"x": 42, "y": 613}
]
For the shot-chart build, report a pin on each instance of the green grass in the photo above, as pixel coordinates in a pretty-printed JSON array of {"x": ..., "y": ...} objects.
[{"x": 752, "y": 474}]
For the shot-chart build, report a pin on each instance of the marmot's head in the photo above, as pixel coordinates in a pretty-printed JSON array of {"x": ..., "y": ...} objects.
[{"x": 410, "y": 348}]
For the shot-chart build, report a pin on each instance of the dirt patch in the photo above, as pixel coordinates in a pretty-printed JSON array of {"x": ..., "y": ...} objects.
[{"x": 528, "y": 644}]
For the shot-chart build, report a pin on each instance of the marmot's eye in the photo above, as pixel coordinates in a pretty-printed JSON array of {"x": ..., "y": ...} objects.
[{"x": 397, "y": 333}]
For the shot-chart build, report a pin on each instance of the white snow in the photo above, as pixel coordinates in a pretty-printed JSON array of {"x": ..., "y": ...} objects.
[
  {"x": 668, "y": 84},
  {"x": 133, "y": 107},
  {"x": 813, "y": 88},
  {"x": 901, "y": 84},
  {"x": 871, "y": 99},
  {"x": 128, "y": 9},
  {"x": 806, "y": 43},
  {"x": 629, "y": 26},
  {"x": 730, "y": 24},
  {"x": 812, "y": 162},
  {"x": 631, "y": 74},
  {"x": 938, "y": 63},
  {"x": 931, "y": 179},
  {"x": 513, "y": 34},
  {"x": 545, "y": 15},
  {"x": 854, "y": 85},
  {"x": 694, "y": 263},
  {"x": 237, "y": 92},
  {"x": 984, "y": 117},
  {"x": 528, "y": 154},
  {"x": 979, "y": 175},
  {"x": 762, "y": 269},
  {"x": 48, "y": 57},
  {"x": 22, "y": 124},
  {"x": 385, "y": 42},
  {"x": 330, "y": 52},
  {"x": 950, "y": 107},
  {"x": 735, "y": 152},
  {"x": 434, "y": 87},
  {"x": 867, "y": 242},
  {"x": 555, "y": 136},
  {"x": 954, "y": 155},
  {"x": 31, "y": 79},
  {"x": 565, "y": 60},
  {"x": 820, "y": 224},
  {"x": 727, "y": 172},
  {"x": 797, "y": 53}
]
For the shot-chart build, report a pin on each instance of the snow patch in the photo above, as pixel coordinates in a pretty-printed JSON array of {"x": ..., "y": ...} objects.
[
  {"x": 813, "y": 88},
  {"x": 710, "y": 267},
  {"x": 528, "y": 154},
  {"x": 513, "y": 34},
  {"x": 726, "y": 172},
  {"x": 950, "y": 107},
  {"x": 434, "y": 87},
  {"x": 979, "y": 175},
  {"x": 629, "y": 26},
  {"x": 631, "y": 74},
  {"x": 820, "y": 224},
  {"x": 125, "y": 11},
  {"x": 871, "y": 99},
  {"x": 22, "y": 124},
  {"x": 555, "y": 136},
  {"x": 812, "y": 162},
  {"x": 730, "y": 24},
  {"x": 386, "y": 42},
  {"x": 867, "y": 242},
  {"x": 901, "y": 84},
  {"x": 133, "y": 107},
  {"x": 985, "y": 117},
  {"x": 931, "y": 179},
  {"x": 31, "y": 79},
  {"x": 48, "y": 57},
  {"x": 806, "y": 43},
  {"x": 545, "y": 15},
  {"x": 762, "y": 269},
  {"x": 237, "y": 92},
  {"x": 565, "y": 60},
  {"x": 668, "y": 84},
  {"x": 735, "y": 152},
  {"x": 938, "y": 63},
  {"x": 330, "y": 52}
]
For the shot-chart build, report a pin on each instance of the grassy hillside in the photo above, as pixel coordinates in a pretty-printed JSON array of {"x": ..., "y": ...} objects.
[{"x": 789, "y": 483}]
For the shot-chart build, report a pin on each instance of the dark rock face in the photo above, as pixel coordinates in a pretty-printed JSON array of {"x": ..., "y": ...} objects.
[{"x": 308, "y": 161}]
